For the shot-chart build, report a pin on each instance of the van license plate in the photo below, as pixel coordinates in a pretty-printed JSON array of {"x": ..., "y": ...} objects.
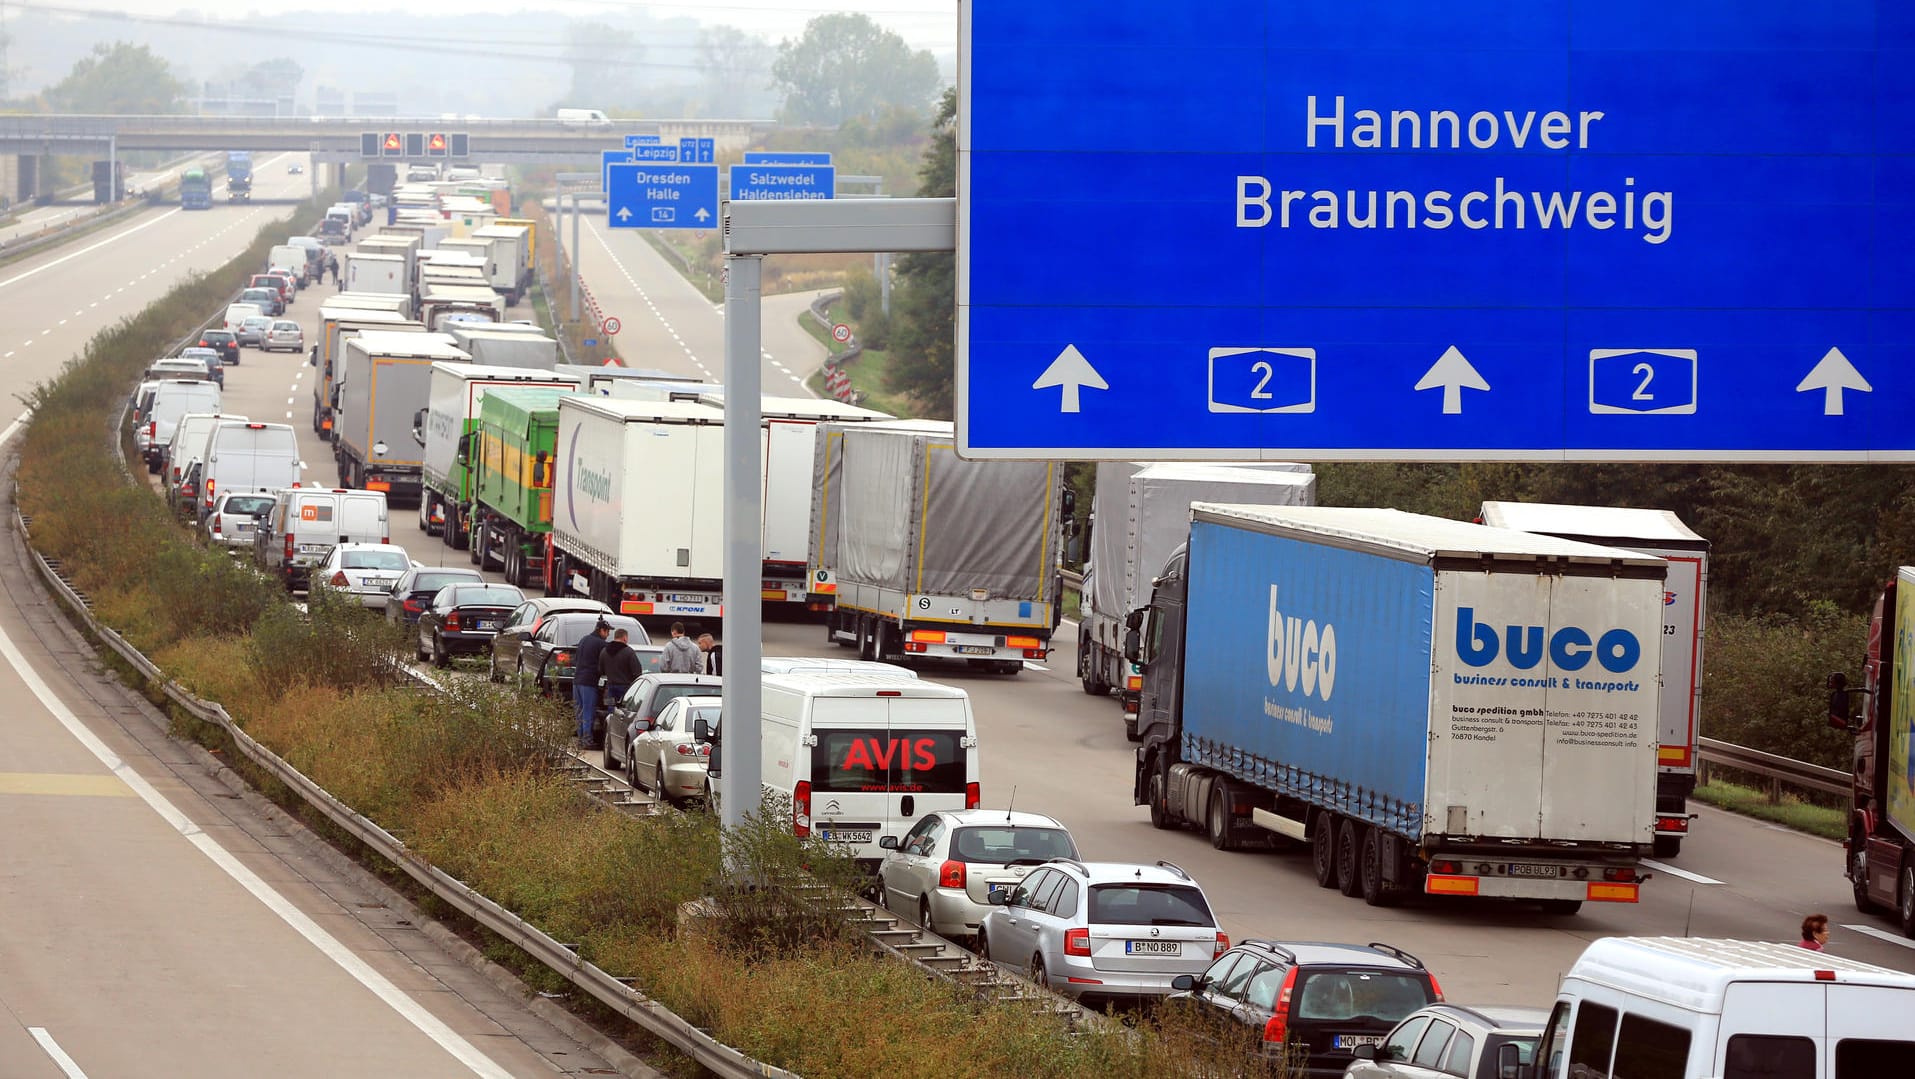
[
  {"x": 852, "y": 835},
  {"x": 1546, "y": 872},
  {"x": 1153, "y": 947},
  {"x": 314, "y": 548},
  {"x": 974, "y": 650},
  {"x": 1351, "y": 1041}
]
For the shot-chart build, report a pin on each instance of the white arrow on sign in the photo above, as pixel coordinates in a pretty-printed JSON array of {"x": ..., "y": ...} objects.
[
  {"x": 1071, "y": 372},
  {"x": 624, "y": 213},
  {"x": 1833, "y": 374},
  {"x": 702, "y": 213},
  {"x": 1454, "y": 373}
]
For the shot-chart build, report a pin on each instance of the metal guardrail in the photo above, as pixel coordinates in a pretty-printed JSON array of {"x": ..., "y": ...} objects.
[{"x": 1778, "y": 771}]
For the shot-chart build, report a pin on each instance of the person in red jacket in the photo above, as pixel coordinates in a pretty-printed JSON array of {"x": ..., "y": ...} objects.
[{"x": 1815, "y": 932}]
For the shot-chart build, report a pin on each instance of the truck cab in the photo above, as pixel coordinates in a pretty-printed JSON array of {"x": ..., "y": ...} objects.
[
  {"x": 1880, "y": 849},
  {"x": 1154, "y": 640}
]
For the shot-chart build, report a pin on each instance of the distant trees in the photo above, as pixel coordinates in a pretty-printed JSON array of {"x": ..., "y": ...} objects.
[
  {"x": 737, "y": 66},
  {"x": 923, "y": 337},
  {"x": 605, "y": 65},
  {"x": 844, "y": 66},
  {"x": 118, "y": 78},
  {"x": 269, "y": 79}
]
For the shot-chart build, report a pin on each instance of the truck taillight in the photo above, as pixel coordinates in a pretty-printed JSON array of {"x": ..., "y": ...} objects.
[
  {"x": 951, "y": 875},
  {"x": 1622, "y": 873},
  {"x": 801, "y": 808},
  {"x": 1076, "y": 942},
  {"x": 152, "y": 430},
  {"x": 210, "y": 485},
  {"x": 973, "y": 796},
  {"x": 1278, "y": 1027}
]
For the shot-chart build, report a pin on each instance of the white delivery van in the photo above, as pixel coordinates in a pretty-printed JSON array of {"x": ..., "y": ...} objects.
[
  {"x": 244, "y": 456},
  {"x": 306, "y": 522},
  {"x": 583, "y": 116},
  {"x": 864, "y": 756},
  {"x": 291, "y": 258},
  {"x": 1681, "y": 1008},
  {"x": 237, "y": 313},
  {"x": 189, "y": 442},
  {"x": 173, "y": 398}
]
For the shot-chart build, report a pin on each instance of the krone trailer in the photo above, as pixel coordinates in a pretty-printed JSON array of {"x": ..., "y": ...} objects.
[
  {"x": 1684, "y": 620},
  {"x": 638, "y": 515},
  {"x": 443, "y": 429},
  {"x": 1431, "y": 706},
  {"x": 790, "y": 443},
  {"x": 384, "y": 379},
  {"x": 932, "y": 556}
]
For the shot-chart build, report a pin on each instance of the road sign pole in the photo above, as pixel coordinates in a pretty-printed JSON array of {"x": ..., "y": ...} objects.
[
  {"x": 741, "y": 778},
  {"x": 578, "y": 279}
]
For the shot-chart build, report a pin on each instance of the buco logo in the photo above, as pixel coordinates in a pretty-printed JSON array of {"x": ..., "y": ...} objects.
[
  {"x": 1300, "y": 653},
  {"x": 1570, "y": 647}
]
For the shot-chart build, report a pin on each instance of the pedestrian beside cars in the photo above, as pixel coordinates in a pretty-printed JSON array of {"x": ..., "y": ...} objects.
[
  {"x": 585, "y": 674},
  {"x": 332, "y": 266},
  {"x": 1815, "y": 932},
  {"x": 681, "y": 656},
  {"x": 714, "y": 654},
  {"x": 622, "y": 666}
]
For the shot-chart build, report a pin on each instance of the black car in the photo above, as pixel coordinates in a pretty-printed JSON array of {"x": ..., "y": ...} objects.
[
  {"x": 547, "y": 658},
  {"x": 413, "y": 591},
  {"x": 511, "y": 644},
  {"x": 465, "y": 618},
  {"x": 1320, "y": 1001},
  {"x": 224, "y": 342}
]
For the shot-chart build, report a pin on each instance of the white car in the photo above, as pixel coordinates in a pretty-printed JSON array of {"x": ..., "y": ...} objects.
[
  {"x": 234, "y": 518},
  {"x": 365, "y": 571},
  {"x": 945, "y": 868},
  {"x": 667, "y": 760},
  {"x": 283, "y": 333}
]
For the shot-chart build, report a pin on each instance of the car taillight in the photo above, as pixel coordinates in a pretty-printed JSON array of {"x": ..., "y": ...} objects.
[
  {"x": 289, "y": 549},
  {"x": 216, "y": 523},
  {"x": 1076, "y": 942},
  {"x": 1223, "y": 945},
  {"x": 685, "y": 749},
  {"x": 562, "y": 658},
  {"x": 412, "y": 605},
  {"x": 452, "y": 620},
  {"x": 339, "y": 579},
  {"x": 801, "y": 808},
  {"x": 1279, "y": 1025},
  {"x": 1436, "y": 987},
  {"x": 972, "y": 796},
  {"x": 951, "y": 875}
]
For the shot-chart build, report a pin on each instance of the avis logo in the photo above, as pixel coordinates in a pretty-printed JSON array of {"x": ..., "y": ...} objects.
[
  {"x": 1300, "y": 652},
  {"x": 886, "y": 754},
  {"x": 1570, "y": 647}
]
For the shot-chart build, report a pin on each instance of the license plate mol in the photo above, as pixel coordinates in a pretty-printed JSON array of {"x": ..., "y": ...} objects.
[{"x": 1153, "y": 947}]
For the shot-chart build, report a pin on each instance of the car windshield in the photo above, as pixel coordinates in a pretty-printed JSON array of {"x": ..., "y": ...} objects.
[
  {"x": 483, "y": 595},
  {"x": 571, "y": 628},
  {"x": 1004, "y": 844},
  {"x": 253, "y": 505},
  {"x": 665, "y": 695},
  {"x": 285, "y": 327},
  {"x": 217, "y": 336},
  {"x": 372, "y": 560},
  {"x": 1348, "y": 994},
  {"x": 197, "y": 354},
  {"x": 432, "y": 582},
  {"x": 1149, "y": 904}
]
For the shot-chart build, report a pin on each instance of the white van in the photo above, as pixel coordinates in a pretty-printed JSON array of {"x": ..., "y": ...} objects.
[
  {"x": 583, "y": 116},
  {"x": 864, "y": 756},
  {"x": 291, "y": 258},
  {"x": 243, "y": 456},
  {"x": 1680, "y": 1008},
  {"x": 189, "y": 442},
  {"x": 305, "y": 524},
  {"x": 237, "y": 313},
  {"x": 173, "y": 398}
]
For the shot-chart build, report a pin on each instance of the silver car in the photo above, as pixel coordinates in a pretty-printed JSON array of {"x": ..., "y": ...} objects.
[
  {"x": 944, "y": 870},
  {"x": 364, "y": 571},
  {"x": 1103, "y": 929},
  {"x": 668, "y": 760},
  {"x": 234, "y": 518},
  {"x": 283, "y": 333},
  {"x": 252, "y": 331}
]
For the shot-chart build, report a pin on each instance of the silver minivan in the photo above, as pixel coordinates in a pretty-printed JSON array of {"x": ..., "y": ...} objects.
[{"x": 306, "y": 522}]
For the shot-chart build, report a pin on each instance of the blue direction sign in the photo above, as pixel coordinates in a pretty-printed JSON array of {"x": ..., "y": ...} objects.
[
  {"x": 784, "y": 157},
  {"x": 657, "y": 153},
  {"x": 1390, "y": 229},
  {"x": 642, "y": 140},
  {"x": 664, "y": 196},
  {"x": 751, "y": 183},
  {"x": 703, "y": 151},
  {"x": 606, "y": 159}
]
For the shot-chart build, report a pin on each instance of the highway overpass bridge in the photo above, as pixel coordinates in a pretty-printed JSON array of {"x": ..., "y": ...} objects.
[{"x": 339, "y": 140}]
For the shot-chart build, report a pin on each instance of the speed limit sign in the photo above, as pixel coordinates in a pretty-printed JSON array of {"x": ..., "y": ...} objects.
[
  {"x": 841, "y": 333},
  {"x": 611, "y": 326}
]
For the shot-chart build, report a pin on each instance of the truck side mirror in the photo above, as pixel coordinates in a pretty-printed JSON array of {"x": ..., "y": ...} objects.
[
  {"x": 312, "y": 359},
  {"x": 1838, "y": 701},
  {"x": 419, "y": 427},
  {"x": 539, "y": 471},
  {"x": 465, "y": 448},
  {"x": 1133, "y": 645}
]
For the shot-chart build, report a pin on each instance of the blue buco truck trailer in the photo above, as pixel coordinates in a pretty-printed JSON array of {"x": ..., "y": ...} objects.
[{"x": 1431, "y": 706}]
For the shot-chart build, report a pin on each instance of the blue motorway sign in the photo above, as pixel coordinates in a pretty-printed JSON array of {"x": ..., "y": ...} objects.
[
  {"x": 656, "y": 153},
  {"x": 665, "y": 196},
  {"x": 702, "y": 151},
  {"x": 787, "y": 157},
  {"x": 762, "y": 182},
  {"x": 1474, "y": 230},
  {"x": 642, "y": 140},
  {"x": 606, "y": 159}
]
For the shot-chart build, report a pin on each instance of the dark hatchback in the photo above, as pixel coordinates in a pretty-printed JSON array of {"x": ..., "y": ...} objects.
[
  {"x": 550, "y": 660},
  {"x": 1317, "y": 1001},
  {"x": 413, "y": 592},
  {"x": 509, "y": 648},
  {"x": 224, "y": 342},
  {"x": 464, "y": 618}
]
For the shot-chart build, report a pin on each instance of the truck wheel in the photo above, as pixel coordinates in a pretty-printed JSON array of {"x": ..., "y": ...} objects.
[
  {"x": 1858, "y": 873},
  {"x": 867, "y": 648},
  {"x": 881, "y": 643},
  {"x": 1907, "y": 911},
  {"x": 449, "y": 534},
  {"x": 1668, "y": 846},
  {"x": 1323, "y": 850},
  {"x": 555, "y": 574},
  {"x": 1010, "y": 666},
  {"x": 1131, "y": 732},
  {"x": 1375, "y": 892},
  {"x": 1090, "y": 670},
  {"x": 480, "y": 533},
  {"x": 1159, "y": 812},
  {"x": 1349, "y": 873},
  {"x": 1217, "y": 820}
]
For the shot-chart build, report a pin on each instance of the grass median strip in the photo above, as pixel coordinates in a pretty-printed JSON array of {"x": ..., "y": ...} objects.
[{"x": 467, "y": 779}]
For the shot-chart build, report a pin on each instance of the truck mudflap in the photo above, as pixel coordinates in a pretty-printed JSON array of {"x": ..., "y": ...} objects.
[
  {"x": 1539, "y": 878},
  {"x": 953, "y": 644}
]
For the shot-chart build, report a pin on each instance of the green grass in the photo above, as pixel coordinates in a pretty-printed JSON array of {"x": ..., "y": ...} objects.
[
  {"x": 1790, "y": 811},
  {"x": 867, "y": 371}
]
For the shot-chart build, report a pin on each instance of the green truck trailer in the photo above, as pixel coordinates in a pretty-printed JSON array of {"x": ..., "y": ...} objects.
[{"x": 512, "y": 457}]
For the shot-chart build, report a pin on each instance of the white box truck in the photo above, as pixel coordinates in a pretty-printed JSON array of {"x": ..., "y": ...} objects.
[
  {"x": 366, "y": 271},
  {"x": 404, "y": 247},
  {"x": 493, "y": 344},
  {"x": 930, "y": 556},
  {"x": 638, "y": 508},
  {"x": 384, "y": 379},
  {"x": 338, "y": 321},
  {"x": 442, "y": 428},
  {"x": 790, "y": 444},
  {"x": 440, "y": 304},
  {"x": 1684, "y": 620},
  {"x": 1140, "y": 514},
  {"x": 510, "y": 262}
]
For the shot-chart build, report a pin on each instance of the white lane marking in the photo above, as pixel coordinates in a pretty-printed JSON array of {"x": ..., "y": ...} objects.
[
  {"x": 91, "y": 247},
  {"x": 289, "y": 415},
  {"x": 8, "y": 356},
  {"x": 46, "y": 331},
  {"x": 1881, "y": 934},
  {"x": 58, "y": 1054},
  {"x": 329, "y": 946},
  {"x": 1662, "y": 867}
]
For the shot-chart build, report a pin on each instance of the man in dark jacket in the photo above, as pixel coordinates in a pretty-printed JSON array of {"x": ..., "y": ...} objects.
[
  {"x": 622, "y": 667},
  {"x": 585, "y": 672},
  {"x": 714, "y": 654}
]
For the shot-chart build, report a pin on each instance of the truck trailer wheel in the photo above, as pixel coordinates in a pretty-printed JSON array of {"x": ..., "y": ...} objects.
[
  {"x": 1668, "y": 846},
  {"x": 1375, "y": 892},
  {"x": 1907, "y": 900},
  {"x": 1858, "y": 873},
  {"x": 1090, "y": 670},
  {"x": 1323, "y": 850},
  {"x": 867, "y": 648},
  {"x": 555, "y": 574},
  {"x": 1217, "y": 820},
  {"x": 1349, "y": 873},
  {"x": 1562, "y": 907}
]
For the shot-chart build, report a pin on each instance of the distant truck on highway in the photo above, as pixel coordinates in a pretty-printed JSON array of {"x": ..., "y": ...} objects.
[
  {"x": 1431, "y": 706},
  {"x": 447, "y": 428},
  {"x": 931, "y": 556},
  {"x": 196, "y": 189},
  {"x": 1139, "y": 515},
  {"x": 1880, "y": 713},
  {"x": 239, "y": 176},
  {"x": 383, "y": 380},
  {"x": 1684, "y": 620}
]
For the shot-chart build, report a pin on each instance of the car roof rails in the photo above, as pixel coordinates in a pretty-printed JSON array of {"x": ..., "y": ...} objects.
[
  {"x": 1270, "y": 946},
  {"x": 1073, "y": 863},
  {"x": 1393, "y": 950},
  {"x": 1177, "y": 869}
]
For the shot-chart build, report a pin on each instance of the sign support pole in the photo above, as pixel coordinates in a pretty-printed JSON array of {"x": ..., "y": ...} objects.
[
  {"x": 578, "y": 278},
  {"x": 741, "y": 768}
]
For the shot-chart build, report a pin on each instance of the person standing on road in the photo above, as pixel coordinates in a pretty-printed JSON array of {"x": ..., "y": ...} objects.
[
  {"x": 714, "y": 654},
  {"x": 585, "y": 674},
  {"x": 1815, "y": 932},
  {"x": 332, "y": 264},
  {"x": 622, "y": 667},
  {"x": 681, "y": 655}
]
